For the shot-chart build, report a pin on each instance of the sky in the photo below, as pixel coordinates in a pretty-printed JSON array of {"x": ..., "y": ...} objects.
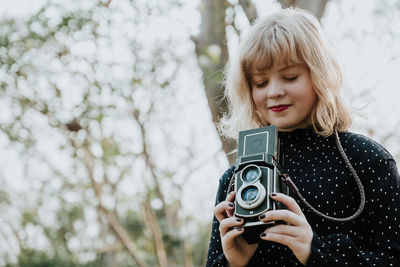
[{"x": 19, "y": 7}]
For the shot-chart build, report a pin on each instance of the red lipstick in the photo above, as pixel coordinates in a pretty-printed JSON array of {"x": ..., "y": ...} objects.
[{"x": 279, "y": 108}]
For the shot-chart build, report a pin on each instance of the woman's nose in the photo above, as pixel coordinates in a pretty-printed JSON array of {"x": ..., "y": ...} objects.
[{"x": 275, "y": 89}]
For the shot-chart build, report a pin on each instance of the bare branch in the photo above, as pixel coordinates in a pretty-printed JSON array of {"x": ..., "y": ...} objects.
[
  {"x": 249, "y": 9},
  {"x": 154, "y": 227},
  {"x": 288, "y": 3},
  {"x": 109, "y": 248},
  {"x": 152, "y": 168},
  {"x": 188, "y": 253},
  {"x": 112, "y": 220},
  {"x": 123, "y": 236},
  {"x": 317, "y": 7}
]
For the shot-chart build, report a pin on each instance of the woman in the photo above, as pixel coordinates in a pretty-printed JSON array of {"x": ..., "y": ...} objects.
[{"x": 285, "y": 75}]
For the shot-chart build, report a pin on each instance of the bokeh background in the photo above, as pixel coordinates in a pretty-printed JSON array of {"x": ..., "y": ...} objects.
[{"x": 109, "y": 155}]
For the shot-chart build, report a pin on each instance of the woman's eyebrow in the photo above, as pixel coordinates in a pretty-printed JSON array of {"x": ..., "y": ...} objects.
[
  {"x": 289, "y": 67},
  {"x": 254, "y": 77},
  {"x": 257, "y": 74},
  {"x": 263, "y": 73}
]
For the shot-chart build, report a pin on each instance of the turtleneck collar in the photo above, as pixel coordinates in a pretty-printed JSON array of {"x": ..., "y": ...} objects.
[{"x": 304, "y": 132}]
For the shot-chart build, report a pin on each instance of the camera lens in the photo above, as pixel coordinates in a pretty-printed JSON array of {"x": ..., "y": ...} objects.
[
  {"x": 251, "y": 174},
  {"x": 250, "y": 194}
]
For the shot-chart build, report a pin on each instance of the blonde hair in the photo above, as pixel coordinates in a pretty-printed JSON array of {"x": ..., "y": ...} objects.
[{"x": 294, "y": 36}]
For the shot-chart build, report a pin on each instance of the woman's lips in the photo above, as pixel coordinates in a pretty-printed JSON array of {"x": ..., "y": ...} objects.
[{"x": 279, "y": 108}]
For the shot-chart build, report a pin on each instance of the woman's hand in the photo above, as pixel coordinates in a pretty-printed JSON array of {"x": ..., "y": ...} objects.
[
  {"x": 297, "y": 234},
  {"x": 236, "y": 249}
]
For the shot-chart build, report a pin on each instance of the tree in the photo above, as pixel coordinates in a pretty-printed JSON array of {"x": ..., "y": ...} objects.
[{"x": 88, "y": 95}]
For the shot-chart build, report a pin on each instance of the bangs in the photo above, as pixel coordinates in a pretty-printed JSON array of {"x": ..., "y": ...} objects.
[{"x": 272, "y": 45}]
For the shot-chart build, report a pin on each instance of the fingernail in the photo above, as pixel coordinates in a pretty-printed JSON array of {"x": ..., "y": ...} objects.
[
  {"x": 263, "y": 235},
  {"x": 273, "y": 194},
  {"x": 239, "y": 219},
  {"x": 262, "y": 216},
  {"x": 230, "y": 204},
  {"x": 239, "y": 229}
]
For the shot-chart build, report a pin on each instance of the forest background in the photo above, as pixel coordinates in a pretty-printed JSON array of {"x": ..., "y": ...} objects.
[{"x": 109, "y": 155}]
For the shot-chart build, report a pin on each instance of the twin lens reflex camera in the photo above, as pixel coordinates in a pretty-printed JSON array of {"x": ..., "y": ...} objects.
[{"x": 256, "y": 176}]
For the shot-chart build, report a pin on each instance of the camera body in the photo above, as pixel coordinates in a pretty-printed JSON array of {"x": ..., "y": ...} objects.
[{"x": 256, "y": 176}]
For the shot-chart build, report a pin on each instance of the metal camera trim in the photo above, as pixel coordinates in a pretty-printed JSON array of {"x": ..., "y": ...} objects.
[
  {"x": 248, "y": 167},
  {"x": 261, "y": 190}
]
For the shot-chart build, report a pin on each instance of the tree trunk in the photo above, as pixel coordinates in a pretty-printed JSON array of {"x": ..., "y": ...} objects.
[
  {"x": 249, "y": 9},
  {"x": 212, "y": 55},
  {"x": 317, "y": 7}
]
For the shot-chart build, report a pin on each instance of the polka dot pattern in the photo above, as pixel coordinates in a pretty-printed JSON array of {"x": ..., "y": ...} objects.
[{"x": 315, "y": 165}]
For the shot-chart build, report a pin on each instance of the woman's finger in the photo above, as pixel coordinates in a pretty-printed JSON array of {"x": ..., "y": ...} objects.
[
  {"x": 231, "y": 198},
  {"x": 278, "y": 238},
  {"x": 220, "y": 210},
  {"x": 284, "y": 229},
  {"x": 288, "y": 201},
  {"x": 302, "y": 233},
  {"x": 229, "y": 237},
  {"x": 282, "y": 215},
  {"x": 227, "y": 224}
]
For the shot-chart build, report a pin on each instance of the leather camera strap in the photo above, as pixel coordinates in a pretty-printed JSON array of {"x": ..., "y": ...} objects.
[{"x": 286, "y": 179}]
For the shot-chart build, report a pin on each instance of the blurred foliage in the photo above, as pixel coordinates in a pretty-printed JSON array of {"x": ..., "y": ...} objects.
[
  {"x": 33, "y": 258},
  {"x": 85, "y": 93}
]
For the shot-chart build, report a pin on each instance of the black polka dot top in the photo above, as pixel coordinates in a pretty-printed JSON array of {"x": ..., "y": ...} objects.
[{"x": 315, "y": 165}]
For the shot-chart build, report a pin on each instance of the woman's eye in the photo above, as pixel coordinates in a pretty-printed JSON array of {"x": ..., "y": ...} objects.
[
  {"x": 262, "y": 84},
  {"x": 291, "y": 78}
]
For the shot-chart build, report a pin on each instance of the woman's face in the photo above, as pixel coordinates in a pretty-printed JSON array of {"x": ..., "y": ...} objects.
[{"x": 284, "y": 95}]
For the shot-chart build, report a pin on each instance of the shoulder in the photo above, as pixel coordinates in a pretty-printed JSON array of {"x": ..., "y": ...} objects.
[
  {"x": 226, "y": 176},
  {"x": 224, "y": 184},
  {"x": 361, "y": 147}
]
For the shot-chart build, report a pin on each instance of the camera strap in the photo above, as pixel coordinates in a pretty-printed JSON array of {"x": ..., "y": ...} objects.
[{"x": 286, "y": 179}]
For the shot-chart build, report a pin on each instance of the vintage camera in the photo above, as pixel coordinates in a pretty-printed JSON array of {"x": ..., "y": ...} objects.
[{"x": 257, "y": 174}]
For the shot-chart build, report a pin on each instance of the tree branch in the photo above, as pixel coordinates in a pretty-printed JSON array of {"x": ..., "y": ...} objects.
[
  {"x": 123, "y": 236},
  {"x": 249, "y": 9},
  {"x": 151, "y": 167},
  {"x": 317, "y": 7},
  {"x": 154, "y": 227},
  {"x": 112, "y": 220}
]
